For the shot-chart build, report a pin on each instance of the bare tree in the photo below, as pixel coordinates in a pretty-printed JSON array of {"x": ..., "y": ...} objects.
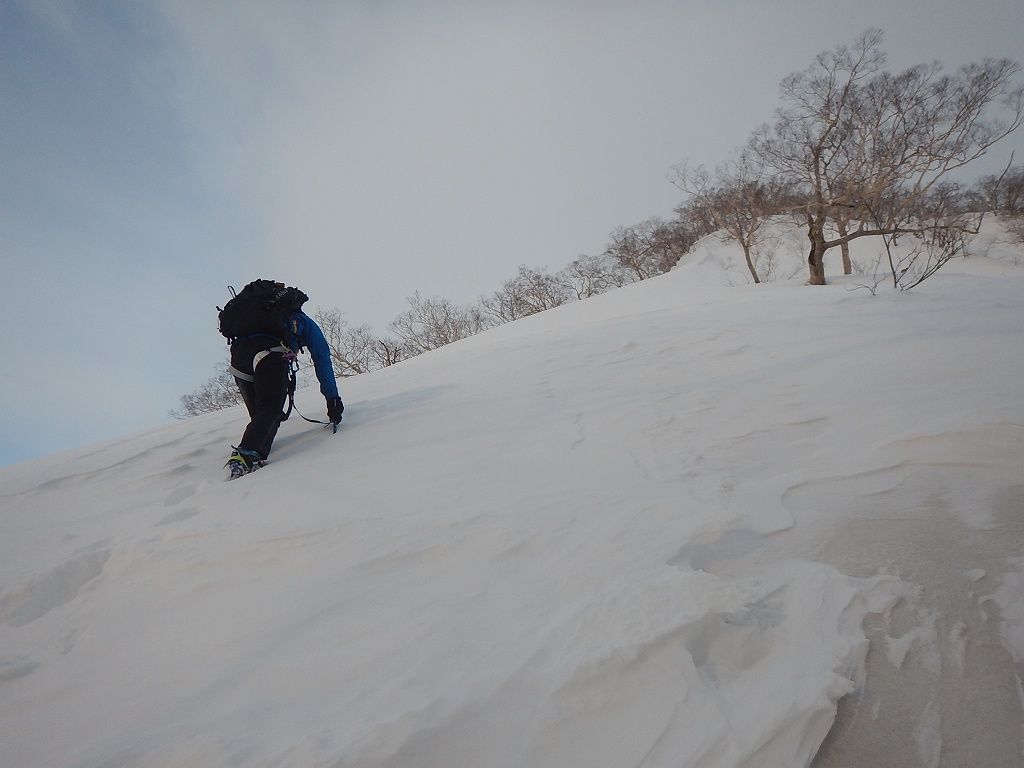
[
  {"x": 876, "y": 276},
  {"x": 1003, "y": 194},
  {"x": 217, "y": 393},
  {"x": 843, "y": 218},
  {"x": 867, "y": 147},
  {"x": 649, "y": 248},
  {"x": 589, "y": 276},
  {"x": 931, "y": 249},
  {"x": 1016, "y": 228},
  {"x": 388, "y": 351},
  {"x": 695, "y": 218},
  {"x": 433, "y": 322},
  {"x": 529, "y": 292},
  {"x": 352, "y": 349},
  {"x": 738, "y": 199}
]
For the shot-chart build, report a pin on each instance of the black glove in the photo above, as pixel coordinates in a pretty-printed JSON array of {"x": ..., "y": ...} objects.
[{"x": 334, "y": 409}]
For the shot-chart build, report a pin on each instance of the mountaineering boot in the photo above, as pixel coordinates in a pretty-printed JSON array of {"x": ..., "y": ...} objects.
[{"x": 242, "y": 462}]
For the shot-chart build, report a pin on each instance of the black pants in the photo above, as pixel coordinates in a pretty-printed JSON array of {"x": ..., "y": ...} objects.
[{"x": 265, "y": 395}]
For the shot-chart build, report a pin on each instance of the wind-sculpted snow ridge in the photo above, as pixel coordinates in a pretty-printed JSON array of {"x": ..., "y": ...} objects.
[{"x": 680, "y": 524}]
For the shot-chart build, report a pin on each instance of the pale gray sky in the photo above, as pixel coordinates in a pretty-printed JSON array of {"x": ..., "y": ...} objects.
[{"x": 155, "y": 152}]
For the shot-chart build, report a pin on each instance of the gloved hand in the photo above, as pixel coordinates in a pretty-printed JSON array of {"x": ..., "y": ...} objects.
[{"x": 334, "y": 409}]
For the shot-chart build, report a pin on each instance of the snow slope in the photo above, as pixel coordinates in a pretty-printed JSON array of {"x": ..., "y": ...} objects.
[{"x": 672, "y": 525}]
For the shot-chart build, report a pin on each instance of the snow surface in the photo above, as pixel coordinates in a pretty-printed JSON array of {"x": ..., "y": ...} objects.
[{"x": 673, "y": 525}]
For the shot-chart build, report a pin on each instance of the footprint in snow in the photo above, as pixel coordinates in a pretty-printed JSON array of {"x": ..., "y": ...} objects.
[
  {"x": 41, "y": 594},
  {"x": 13, "y": 667},
  {"x": 178, "y": 515}
]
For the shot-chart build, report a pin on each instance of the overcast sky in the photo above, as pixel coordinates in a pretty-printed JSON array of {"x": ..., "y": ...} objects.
[{"x": 155, "y": 152}]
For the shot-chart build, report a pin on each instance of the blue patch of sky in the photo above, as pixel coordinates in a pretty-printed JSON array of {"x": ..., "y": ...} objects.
[
  {"x": 99, "y": 201},
  {"x": 90, "y": 131}
]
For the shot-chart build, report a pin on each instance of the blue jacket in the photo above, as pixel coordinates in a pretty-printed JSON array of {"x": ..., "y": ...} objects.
[{"x": 306, "y": 333}]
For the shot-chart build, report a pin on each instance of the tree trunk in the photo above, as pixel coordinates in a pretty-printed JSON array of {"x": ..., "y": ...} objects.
[
  {"x": 750, "y": 262},
  {"x": 845, "y": 248},
  {"x": 816, "y": 256}
]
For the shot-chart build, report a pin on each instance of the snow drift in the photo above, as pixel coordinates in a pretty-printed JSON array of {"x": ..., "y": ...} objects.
[{"x": 673, "y": 525}]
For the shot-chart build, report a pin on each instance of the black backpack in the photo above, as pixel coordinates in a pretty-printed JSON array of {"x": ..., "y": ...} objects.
[{"x": 262, "y": 307}]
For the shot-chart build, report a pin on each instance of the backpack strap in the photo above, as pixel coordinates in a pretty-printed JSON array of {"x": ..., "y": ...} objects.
[
  {"x": 241, "y": 375},
  {"x": 258, "y": 357},
  {"x": 293, "y": 368},
  {"x": 231, "y": 341},
  {"x": 256, "y": 360}
]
